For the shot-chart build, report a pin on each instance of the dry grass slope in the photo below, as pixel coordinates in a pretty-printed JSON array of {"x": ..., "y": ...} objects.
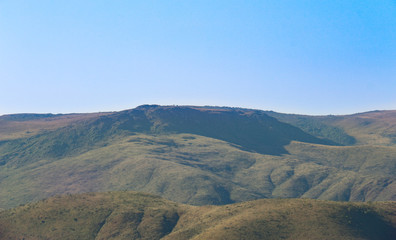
[{"x": 131, "y": 215}]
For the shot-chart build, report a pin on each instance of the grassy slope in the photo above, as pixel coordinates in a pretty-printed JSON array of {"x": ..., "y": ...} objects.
[
  {"x": 91, "y": 216},
  {"x": 370, "y": 128},
  {"x": 198, "y": 170},
  {"x": 316, "y": 126},
  {"x": 130, "y": 215},
  {"x": 27, "y": 125},
  {"x": 140, "y": 150}
]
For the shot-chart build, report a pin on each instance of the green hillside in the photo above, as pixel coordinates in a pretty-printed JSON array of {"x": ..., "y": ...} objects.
[
  {"x": 316, "y": 126},
  {"x": 199, "y": 170},
  {"x": 370, "y": 128},
  {"x": 194, "y": 155},
  {"x": 131, "y": 215},
  {"x": 373, "y": 128}
]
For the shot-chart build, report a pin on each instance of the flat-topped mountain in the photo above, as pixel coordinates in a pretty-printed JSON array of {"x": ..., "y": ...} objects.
[{"x": 198, "y": 155}]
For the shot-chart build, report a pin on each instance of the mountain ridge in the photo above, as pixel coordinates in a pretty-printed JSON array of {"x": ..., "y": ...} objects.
[{"x": 195, "y": 155}]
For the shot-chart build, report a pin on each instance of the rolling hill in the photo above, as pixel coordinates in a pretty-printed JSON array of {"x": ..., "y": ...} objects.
[
  {"x": 197, "y": 155},
  {"x": 131, "y": 215},
  {"x": 370, "y": 128}
]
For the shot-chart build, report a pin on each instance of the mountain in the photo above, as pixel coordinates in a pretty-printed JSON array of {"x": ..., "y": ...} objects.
[
  {"x": 131, "y": 215},
  {"x": 197, "y": 155}
]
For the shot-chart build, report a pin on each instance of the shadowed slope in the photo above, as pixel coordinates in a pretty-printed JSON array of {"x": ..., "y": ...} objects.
[
  {"x": 316, "y": 126},
  {"x": 252, "y": 130}
]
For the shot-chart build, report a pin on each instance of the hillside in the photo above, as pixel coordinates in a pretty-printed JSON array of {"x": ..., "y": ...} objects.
[
  {"x": 25, "y": 125},
  {"x": 131, "y": 215},
  {"x": 370, "y": 128},
  {"x": 374, "y": 128},
  {"x": 194, "y": 155},
  {"x": 317, "y": 126}
]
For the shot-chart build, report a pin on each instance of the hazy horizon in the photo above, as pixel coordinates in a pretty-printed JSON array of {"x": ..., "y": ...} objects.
[
  {"x": 305, "y": 57},
  {"x": 177, "y": 105}
]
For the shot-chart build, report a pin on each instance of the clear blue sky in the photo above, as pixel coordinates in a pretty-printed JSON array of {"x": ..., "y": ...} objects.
[{"x": 312, "y": 57}]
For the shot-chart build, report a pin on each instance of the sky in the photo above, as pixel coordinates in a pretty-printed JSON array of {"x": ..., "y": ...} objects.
[{"x": 302, "y": 56}]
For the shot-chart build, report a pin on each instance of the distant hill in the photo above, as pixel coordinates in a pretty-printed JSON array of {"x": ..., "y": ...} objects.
[
  {"x": 252, "y": 130},
  {"x": 25, "y": 125},
  {"x": 370, "y": 128},
  {"x": 198, "y": 155},
  {"x": 317, "y": 126},
  {"x": 131, "y": 215}
]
